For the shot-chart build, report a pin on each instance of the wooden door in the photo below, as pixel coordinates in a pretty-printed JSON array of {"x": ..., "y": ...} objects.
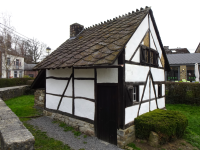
[{"x": 107, "y": 112}]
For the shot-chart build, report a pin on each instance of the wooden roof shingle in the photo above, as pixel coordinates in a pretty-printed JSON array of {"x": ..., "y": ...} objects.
[{"x": 98, "y": 45}]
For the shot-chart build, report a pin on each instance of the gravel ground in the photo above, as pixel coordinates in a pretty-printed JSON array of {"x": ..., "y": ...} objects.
[{"x": 54, "y": 131}]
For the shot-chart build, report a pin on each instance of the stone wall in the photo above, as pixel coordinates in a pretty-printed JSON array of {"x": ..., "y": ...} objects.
[
  {"x": 13, "y": 134},
  {"x": 125, "y": 136},
  {"x": 39, "y": 98},
  {"x": 183, "y": 72},
  {"x": 15, "y": 91}
]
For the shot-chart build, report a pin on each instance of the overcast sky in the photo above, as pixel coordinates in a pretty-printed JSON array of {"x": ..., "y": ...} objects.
[{"x": 47, "y": 20}]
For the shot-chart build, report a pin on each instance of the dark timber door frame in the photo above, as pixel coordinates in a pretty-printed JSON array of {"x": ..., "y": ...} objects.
[{"x": 107, "y": 99}]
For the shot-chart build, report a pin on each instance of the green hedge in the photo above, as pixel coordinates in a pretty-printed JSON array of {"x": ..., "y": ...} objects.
[
  {"x": 182, "y": 93},
  {"x": 13, "y": 82},
  {"x": 167, "y": 124}
]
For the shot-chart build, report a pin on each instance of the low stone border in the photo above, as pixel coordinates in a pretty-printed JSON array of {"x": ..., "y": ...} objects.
[
  {"x": 13, "y": 134},
  {"x": 15, "y": 91}
]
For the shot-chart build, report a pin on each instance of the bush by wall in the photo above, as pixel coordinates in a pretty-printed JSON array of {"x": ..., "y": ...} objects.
[
  {"x": 13, "y": 82},
  {"x": 182, "y": 93},
  {"x": 167, "y": 124}
]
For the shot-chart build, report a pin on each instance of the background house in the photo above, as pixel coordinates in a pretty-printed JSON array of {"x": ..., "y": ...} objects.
[
  {"x": 182, "y": 66},
  {"x": 11, "y": 65},
  {"x": 28, "y": 70},
  {"x": 177, "y": 50}
]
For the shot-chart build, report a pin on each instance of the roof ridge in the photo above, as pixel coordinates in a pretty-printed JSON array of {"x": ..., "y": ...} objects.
[{"x": 116, "y": 18}]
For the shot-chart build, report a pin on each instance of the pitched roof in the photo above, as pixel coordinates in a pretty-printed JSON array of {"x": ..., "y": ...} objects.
[
  {"x": 29, "y": 66},
  {"x": 97, "y": 45},
  {"x": 198, "y": 49},
  {"x": 177, "y": 51},
  {"x": 183, "y": 58}
]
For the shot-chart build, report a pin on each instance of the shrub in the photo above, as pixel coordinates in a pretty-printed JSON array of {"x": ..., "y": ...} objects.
[
  {"x": 13, "y": 82},
  {"x": 182, "y": 93},
  {"x": 167, "y": 124}
]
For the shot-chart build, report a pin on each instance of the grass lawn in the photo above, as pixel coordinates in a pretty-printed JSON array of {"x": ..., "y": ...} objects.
[
  {"x": 23, "y": 107},
  {"x": 192, "y": 134}
]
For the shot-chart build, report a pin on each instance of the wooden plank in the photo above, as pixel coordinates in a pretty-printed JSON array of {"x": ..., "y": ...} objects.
[
  {"x": 139, "y": 64},
  {"x": 73, "y": 107},
  {"x": 143, "y": 93},
  {"x": 64, "y": 92},
  {"x": 135, "y": 83},
  {"x": 84, "y": 78},
  {"x": 139, "y": 45},
  {"x": 95, "y": 96},
  {"x": 58, "y": 78}
]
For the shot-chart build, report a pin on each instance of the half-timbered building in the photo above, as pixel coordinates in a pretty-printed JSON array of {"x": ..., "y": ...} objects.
[{"x": 107, "y": 74}]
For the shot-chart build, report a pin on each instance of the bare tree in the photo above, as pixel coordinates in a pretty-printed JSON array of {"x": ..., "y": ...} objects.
[
  {"x": 8, "y": 44},
  {"x": 36, "y": 50}
]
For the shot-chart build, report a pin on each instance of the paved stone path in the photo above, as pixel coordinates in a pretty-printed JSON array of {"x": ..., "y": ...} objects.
[{"x": 54, "y": 131}]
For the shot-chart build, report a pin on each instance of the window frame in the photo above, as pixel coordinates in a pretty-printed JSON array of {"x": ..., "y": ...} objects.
[
  {"x": 131, "y": 93},
  {"x": 146, "y": 58},
  {"x": 8, "y": 61}
]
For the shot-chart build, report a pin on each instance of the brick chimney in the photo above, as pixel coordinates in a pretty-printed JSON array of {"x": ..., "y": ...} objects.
[{"x": 75, "y": 29}]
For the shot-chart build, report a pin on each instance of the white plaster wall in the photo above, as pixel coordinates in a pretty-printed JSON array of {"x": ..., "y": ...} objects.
[
  {"x": 163, "y": 89},
  {"x": 55, "y": 86},
  {"x": 161, "y": 102},
  {"x": 68, "y": 92},
  {"x": 146, "y": 92},
  {"x": 59, "y": 72},
  {"x": 131, "y": 113},
  {"x": 136, "y": 58},
  {"x": 108, "y": 75},
  {"x": 84, "y": 108},
  {"x": 153, "y": 105},
  {"x": 144, "y": 108},
  {"x": 84, "y": 73},
  {"x": 158, "y": 74},
  {"x": 152, "y": 45},
  {"x": 141, "y": 88},
  {"x": 155, "y": 38},
  {"x": 52, "y": 101},
  {"x": 84, "y": 88},
  {"x": 66, "y": 105},
  {"x": 156, "y": 88},
  {"x": 152, "y": 90},
  {"x": 135, "y": 73},
  {"x": 136, "y": 38}
]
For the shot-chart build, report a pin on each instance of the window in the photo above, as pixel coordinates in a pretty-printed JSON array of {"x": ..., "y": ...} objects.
[
  {"x": 135, "y": 95},
  {"x": 20, "y": 74},
  {"x": 173, "y": 74},
  {"x": 134, "y": 92},
  {"x": 15, "y": 74},
  {"x": 149, "y": 56},
  {"x": 31, "y": 75},
  {"x": 17, "y": 63},
  {"x": 8, "y": 61},
  {"x": 159, "y": 90},
  {"x": 8, "y": 74}
]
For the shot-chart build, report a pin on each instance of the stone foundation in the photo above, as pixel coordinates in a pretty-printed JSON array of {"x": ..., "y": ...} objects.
[
  {"x": 125, "y": 136},
  {"x": 39, "y": 98},
  {"x": 82, "y": 126}
]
